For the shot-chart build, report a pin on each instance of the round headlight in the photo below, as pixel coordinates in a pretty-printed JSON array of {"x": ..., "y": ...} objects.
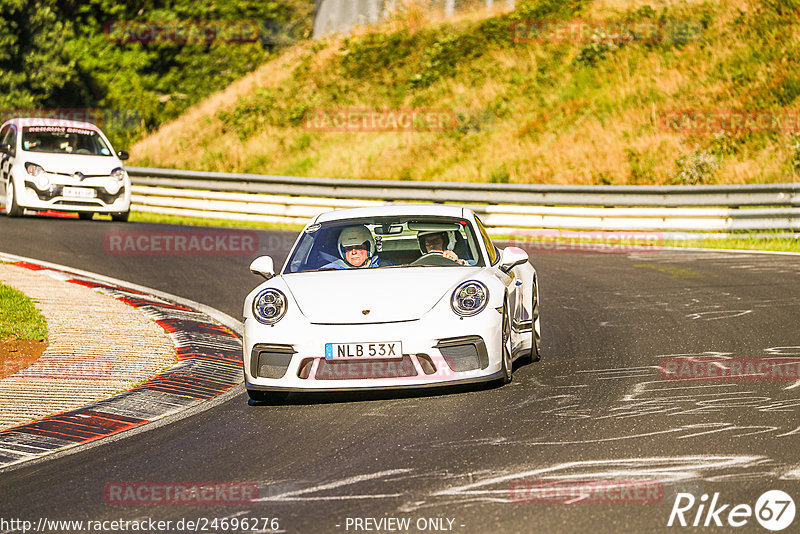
[
  {"x": 42, "y": 181},
  {"x": 112, "y": 186},
  {"x": 269, "y": 306},
  {"x": 470, "y": 298},
  {"x": 114, "y": 183}
]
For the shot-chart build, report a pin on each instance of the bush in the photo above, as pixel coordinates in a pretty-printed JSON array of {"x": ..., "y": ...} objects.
[
  {"x": 698, "y": 167},
  {"x": 724, "y": 145},
  {"x": 597, "y": 49},
  {"x": 441, "y": 58},
  {"x": 641, "y": 167},
  {"x": 500, "y": 176},
  {"x": 365, "y": 56}
]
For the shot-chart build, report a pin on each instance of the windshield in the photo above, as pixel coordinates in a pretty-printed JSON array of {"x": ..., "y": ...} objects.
[
  {"x": 63, "y": 140},
  {"x": 386, "y": 242}
]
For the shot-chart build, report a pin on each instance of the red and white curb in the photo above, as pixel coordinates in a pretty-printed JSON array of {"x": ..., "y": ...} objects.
[{"x": 209, "y": 352}]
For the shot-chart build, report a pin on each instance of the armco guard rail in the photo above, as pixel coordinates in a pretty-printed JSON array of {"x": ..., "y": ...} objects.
[{"x": 294, "y": 199}]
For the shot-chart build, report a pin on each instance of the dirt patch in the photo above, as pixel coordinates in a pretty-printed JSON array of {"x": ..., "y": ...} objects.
[{"x": 18, "y": 354}]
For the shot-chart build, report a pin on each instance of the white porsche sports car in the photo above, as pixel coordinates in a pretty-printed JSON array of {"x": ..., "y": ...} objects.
[{"x": 396, "y": 296}]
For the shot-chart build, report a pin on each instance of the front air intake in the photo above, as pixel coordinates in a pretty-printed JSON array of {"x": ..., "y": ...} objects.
[
  {"x": 270, "y": 361},
  {"x": 464, "y": 353}
]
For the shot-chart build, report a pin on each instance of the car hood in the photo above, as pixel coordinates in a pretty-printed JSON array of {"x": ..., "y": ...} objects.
[
  {"x": 390, "y": 294},
  {"x": 72, "y": 163}
]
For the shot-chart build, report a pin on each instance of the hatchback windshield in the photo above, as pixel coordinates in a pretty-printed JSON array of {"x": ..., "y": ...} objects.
[
  {"x": 63, "y": 140},
  {"x": 386, "y": 242}
]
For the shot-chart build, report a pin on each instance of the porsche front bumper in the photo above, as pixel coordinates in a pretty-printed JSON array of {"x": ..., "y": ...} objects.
[{"x": 436, "y": 351}]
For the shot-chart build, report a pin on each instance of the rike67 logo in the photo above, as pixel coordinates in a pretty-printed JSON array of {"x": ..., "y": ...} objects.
[{"x": 774, "y": 510}]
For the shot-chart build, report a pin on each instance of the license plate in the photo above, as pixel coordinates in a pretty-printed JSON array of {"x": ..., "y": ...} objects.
[
  {"x": 79, "y": 192},
  {"x": 364, "y": 351}
]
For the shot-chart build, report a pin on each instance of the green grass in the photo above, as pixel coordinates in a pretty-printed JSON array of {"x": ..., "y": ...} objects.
[
  {"x": 742, "y": 243},
  {"x": 732, "y": 242},
  {"x": 19, "y": 319},
  {"x": 146, "y": 217}
]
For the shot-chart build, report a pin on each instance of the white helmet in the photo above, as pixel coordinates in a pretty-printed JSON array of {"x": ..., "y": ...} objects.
[
  {"x": 356, "y": 235},
  {"x": 447, "y": 238}
]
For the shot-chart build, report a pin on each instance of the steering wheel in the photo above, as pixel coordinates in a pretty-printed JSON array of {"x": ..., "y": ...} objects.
[{"x": 434, "y": 258}]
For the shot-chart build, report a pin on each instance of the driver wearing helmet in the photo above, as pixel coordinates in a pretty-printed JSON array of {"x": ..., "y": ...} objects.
[
  {"x": 438, "y": 242},
  {"x": 357, "y": 249}
]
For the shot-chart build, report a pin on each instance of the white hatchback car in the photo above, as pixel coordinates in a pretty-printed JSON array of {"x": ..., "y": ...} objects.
[{"x": 63, "y": 165}]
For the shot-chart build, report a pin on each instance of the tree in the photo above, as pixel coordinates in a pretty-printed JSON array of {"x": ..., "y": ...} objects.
[{"x": 35, "y": 58}]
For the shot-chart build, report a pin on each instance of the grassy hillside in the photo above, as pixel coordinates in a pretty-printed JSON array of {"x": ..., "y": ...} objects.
[{"x": 591, "y": 111}]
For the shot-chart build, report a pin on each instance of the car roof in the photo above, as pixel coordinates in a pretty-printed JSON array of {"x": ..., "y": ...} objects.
[
  {"x": 390, "y": 210},
  {"x": 44, "y": 121}
]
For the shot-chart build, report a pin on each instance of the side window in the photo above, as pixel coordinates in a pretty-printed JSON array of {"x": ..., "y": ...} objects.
[
  {"x": 4, "y": 134},
  {"x": 11, "y": 139},
  {"x": 490, "y": 248}
]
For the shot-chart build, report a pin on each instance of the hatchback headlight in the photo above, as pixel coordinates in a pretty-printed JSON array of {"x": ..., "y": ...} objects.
[
  {"x": 40, "y": 179},
  {"x": 269, "y": 306},
  {"x": 470, "y": 298},
  {"x": 114, "y": 183},
  {"x": 34, "y": 169}
]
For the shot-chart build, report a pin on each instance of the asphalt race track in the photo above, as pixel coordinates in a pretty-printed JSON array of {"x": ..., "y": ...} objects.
[{"x": 595, "y": 410}]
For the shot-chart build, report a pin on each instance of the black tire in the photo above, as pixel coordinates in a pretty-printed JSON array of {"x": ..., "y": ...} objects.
[
  {"x": 12, "y": 208},
  {"x": 536, "y": 339},
  {"x": 85, "y": 215},
  {"x": 120, "y": 217},
  {"x": 505, "y": 346},
  {"x": 534, "y": 355}
]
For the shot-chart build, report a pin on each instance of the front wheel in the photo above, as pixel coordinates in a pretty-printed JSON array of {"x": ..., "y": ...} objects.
[
  {"x": 120, "y": 217},
  {"x": 508, "y": 364},
  {"x": 12, "y": 208},
  {"x": 85, "y": 215},
  {"x": 536, "y": 334},
  {"x": 535, "y": 353}
]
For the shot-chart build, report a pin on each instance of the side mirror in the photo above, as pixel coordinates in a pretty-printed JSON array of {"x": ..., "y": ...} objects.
[
  {"x": 123, "y": 155},
  {"x": 6, "y": 149},
  {"x": 511, "y": 257},
  {"x": 264, "y": 266}
]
